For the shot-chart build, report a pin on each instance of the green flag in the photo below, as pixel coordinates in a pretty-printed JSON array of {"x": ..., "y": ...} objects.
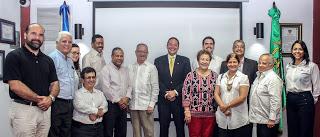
[{"x": 275, "y": 50}]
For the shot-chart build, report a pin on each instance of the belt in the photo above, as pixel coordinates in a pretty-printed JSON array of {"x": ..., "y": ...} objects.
[
  {"x": 78, "y": 124},
  {"x": 64, "y": 100},
  {"x": 25, "y": 102},
  {"x": 299, "y": 93}
]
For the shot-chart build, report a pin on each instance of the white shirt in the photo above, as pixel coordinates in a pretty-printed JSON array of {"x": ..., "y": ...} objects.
[
  {"x": 241, "y": 65},
  {"x": 215, "y": 64},
  {"x": 265, "y": 98},
  {"x": 95, "y": 60},
  {"x": 239, "y": 114},
  {"x": 86, "y": 103},
  {"x": 115, "y": 83},
  {"x": 302, "y": 77},
  {"x": 145, "y": 86}
]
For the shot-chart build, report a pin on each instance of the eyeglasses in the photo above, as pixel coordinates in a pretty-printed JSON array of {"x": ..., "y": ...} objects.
[
  {"x": 90, "y": 77},
  {"x": 75, "y": 53}
]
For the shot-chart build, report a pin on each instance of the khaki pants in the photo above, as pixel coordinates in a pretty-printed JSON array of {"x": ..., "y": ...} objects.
[
  {"x": 140, "y": 118},
  {"x": 29, "y": 121}
]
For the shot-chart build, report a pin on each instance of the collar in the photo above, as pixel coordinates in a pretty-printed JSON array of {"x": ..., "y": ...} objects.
[
  {"x": 236, "y": 75},
  {"x": 174, "y": 56},
  {"x": 30, "y": 53},
  {"x": 83, "y": 89},
  {"x": 303, "y": 63},
  {"x": 94, "y": 52},
  {"x": 242, "y": 61},
  {"x": 136, "y": 63},
  {"x": 62, "y": 55},
  {"x": 263, "y": 74},
  {"x": 115, "y": 67}
]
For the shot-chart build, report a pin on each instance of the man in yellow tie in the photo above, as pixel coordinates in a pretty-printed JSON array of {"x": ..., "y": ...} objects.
[{"x": 172, "y": 70}]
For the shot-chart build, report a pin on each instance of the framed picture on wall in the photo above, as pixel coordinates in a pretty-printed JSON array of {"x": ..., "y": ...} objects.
[
  {"x": 2, "y": 57},
  {"x": 289, "y": 32},
  {"x": 7, "y": 32}
]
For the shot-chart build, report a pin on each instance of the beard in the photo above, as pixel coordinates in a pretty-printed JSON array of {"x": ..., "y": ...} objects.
[{"x": 33, "y": 45}]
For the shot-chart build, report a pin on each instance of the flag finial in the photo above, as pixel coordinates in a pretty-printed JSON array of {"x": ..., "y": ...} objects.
[{"x": 274, "y": 5}]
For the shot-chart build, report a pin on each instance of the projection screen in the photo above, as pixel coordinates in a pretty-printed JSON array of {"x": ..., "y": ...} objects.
[{"x": 126, "y": 27}]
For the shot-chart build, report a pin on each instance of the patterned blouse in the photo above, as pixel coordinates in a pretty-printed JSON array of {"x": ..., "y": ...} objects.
[{"x": 197, "y": 93}]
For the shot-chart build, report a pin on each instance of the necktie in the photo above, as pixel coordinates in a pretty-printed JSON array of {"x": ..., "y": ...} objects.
[{"x": 171, "y": 64}]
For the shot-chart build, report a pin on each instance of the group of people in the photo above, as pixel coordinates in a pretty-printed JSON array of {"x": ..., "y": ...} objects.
[{"x": 52, "y": 96}]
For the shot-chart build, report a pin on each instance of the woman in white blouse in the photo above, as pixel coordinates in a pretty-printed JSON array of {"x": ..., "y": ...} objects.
[
  {"x": 303, "y": 89},
  {"x": 231, "y": 93}
]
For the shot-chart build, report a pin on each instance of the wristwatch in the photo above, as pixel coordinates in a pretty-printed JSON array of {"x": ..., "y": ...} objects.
[{"x": 52, "y": 98}]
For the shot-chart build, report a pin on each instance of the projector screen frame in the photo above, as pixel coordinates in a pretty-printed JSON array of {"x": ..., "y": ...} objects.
[{"x": 165, "y": 4}]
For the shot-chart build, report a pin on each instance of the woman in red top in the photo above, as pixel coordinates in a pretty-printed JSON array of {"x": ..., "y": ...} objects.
[{"x": 197, "y": 97}]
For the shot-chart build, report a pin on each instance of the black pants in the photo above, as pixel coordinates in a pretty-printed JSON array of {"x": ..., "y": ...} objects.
[
  {"x": 87, "y": 130},
  {"x": 300, "y": 114},
  {"x": 165, "y": 109},
  {"x": 61, "y": 118},
  {"x": 244, "y": 131},
  {"x": 115, "y": 121},
  {"x": 264, "y": 131}
]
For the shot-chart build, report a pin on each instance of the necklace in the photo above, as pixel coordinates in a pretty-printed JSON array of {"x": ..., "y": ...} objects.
[{"x": 230, "y": 82}]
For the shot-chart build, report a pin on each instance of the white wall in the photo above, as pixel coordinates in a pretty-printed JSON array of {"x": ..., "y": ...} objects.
[
  {"x": 292, "y": 11},
  {"x": 254, "y": 11},
  {"x": 9, "y": 10}
]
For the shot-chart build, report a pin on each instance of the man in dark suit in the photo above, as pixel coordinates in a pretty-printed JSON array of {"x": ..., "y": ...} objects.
[
  {"x": 172, "y": 70},
  {"x": 247, "y": 66}
]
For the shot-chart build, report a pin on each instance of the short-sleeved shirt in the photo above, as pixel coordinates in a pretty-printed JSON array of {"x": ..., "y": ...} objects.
[
  {"x": 239, "y": 114},
  {"x": 35, "y": 71},
  {"x": 65, "y": 73}
]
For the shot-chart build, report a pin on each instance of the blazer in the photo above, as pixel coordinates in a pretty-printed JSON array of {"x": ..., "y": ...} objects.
[
  {"x": 250, "y": 67},
  {"x": 175, "y": 82}
]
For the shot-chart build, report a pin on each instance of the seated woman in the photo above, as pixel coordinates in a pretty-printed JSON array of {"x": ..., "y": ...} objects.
[
  {"x": 197, "y": 97},
  {"x": 231, "y": 93}
]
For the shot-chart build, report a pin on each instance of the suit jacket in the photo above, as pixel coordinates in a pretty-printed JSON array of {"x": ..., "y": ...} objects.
[
  {"x": 250, "y": 67},
  {"x": 175, "y": 82}
]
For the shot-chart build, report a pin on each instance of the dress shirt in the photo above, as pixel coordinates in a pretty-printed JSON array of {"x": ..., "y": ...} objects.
[
  {"x": 239, "y": 114},
  {"x": 86, "y": 103},
  {"x": 241, "y": 65},
  {"x": 115, "y": 83},
  {"x": 302, "y": 77},
  {"x": 265, "y": 98},
  {"x": 65, "y": 72},
  {"x": 94, "y": 59},
  {"x": 174, "y": 59},
  {"x": 214, "y": 65},
  {"x": 145, "y": 85}
]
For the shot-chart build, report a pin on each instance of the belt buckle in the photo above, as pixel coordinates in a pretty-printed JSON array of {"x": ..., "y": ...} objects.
[{"x": 32, "y": 104}]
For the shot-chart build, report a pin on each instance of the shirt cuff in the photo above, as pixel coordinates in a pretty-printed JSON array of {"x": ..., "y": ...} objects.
[
  {"x": 151, "y": 104},
  {"x": 165, "y": 95},
  {"x": 177, "y": 94},
  {"x": 272, "y": 116},
  {"x": 94, "y": 111}
]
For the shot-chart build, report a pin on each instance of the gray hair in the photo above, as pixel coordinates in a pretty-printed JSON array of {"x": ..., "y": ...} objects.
[
  {"x": 238, "y": 41},
  {"x": 271, "y": 59},
  {"x": 62, "y": 34},
  {"x": 142, "y": 44}
]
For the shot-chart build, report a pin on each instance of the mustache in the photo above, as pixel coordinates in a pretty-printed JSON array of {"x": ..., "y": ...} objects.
[{"x": 33, "y": 42}]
